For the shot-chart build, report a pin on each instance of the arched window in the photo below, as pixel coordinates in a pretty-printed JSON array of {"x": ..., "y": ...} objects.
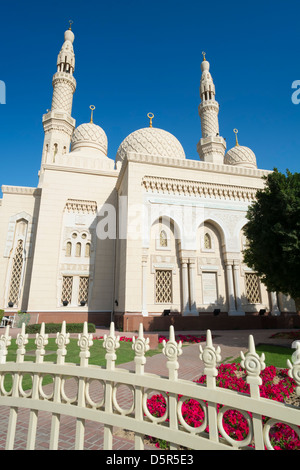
[
  {"x": 207, "y": 241},
  {"x": 55, "y": 150},
  {"x": 78, "y": 249},
  {"x": 163, "y": 239},
  {"x": 16, "y": 274},
  {"x": 88, "y": 250},
  {"x": 68, "y": 249}
]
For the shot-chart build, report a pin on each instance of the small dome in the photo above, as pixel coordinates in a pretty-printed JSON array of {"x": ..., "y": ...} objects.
[
  {"x": 151, "y": 141},
  {"x": 240, "y": 156},
  {"x": 90, "y": 136},
  {"x": 69, "y": 36}
]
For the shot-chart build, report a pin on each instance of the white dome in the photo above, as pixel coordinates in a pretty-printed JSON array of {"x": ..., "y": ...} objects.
[
  {"x": 90, "y": 136},
  {"x": 151, "y": 141},
  {"x": 240, "y": 156}
]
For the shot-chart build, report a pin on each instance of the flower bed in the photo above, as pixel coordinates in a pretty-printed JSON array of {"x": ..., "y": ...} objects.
[
  {"x": 277, "y": 385},
  {"x": 287, "y": 335},
  {"x": 161, "y": 338},
  {"x": 185, "y": 338},
  {"x": 122, "y": 338}
]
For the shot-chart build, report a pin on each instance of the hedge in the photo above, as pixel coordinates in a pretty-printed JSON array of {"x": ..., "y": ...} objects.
[{"x": 56, "y": 328}]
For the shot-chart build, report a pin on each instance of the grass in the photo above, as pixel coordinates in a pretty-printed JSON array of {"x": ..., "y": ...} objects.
[
  {"x": 274, "y": 355},
  {"x": 97, "y": 356}
]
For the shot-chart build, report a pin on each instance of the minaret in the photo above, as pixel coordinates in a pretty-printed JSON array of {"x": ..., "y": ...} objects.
[
  {"x": 58, "y": 123},
  {"x": 211, "y": 148}
]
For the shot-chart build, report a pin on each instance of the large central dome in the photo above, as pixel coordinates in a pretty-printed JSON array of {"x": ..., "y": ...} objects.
[{"x": 151, "y": 141}]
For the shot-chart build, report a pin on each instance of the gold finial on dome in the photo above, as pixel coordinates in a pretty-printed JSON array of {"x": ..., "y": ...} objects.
[
  {"x": 204, "y": 54},
  {"x": 92, "y": 107},
  {"x": 70, "y": 22},
  {"x": 150, "y": 116},
  {"x": 236, "y": 139}
]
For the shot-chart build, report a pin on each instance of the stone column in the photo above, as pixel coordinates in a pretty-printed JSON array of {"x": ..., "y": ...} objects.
[
  {"x": 144, "y": 286},
  {"x": 236, "y": 275},
  {"x": 193, "y": 310},
  {"x": 230, "y": 287},
  {"x": 274, "y": 304},
  {"x": 185, "y": 287}
]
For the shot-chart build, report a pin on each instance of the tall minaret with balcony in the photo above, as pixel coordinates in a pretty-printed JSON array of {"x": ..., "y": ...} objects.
[
  {"x": 58, "y": 123},
  {"x": 211, "y": 147}
]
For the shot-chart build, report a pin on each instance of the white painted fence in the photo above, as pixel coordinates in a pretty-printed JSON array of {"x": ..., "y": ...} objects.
[{"x": 137, "y": 418}]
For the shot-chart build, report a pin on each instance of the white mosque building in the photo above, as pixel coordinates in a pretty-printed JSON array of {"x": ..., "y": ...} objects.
[{"x": 147, "y": 236}]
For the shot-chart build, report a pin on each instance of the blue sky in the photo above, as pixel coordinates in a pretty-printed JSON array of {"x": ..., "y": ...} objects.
[{"x": 135, "y": 57}]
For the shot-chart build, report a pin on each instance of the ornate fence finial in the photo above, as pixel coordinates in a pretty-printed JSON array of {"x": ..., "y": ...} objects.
[
  {"x": 253, "y": 364},
  {"x": 140, "y": 345},
  {"x": 21, "y": 341},
  {"x": 85, "y": 341},
  {"x": 210, "y": 356},
  {"x": 41, "y": 340},
  {"x": 62, "y": 339},
  {"x": 294, "y": 369},
  {"x": 5, "y": 341},
  {"x": 111, "y": 343},
  {"x": 172, "y": 350}
]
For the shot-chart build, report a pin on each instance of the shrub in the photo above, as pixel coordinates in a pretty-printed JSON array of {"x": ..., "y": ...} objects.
[{"x": 22, "y": 317}]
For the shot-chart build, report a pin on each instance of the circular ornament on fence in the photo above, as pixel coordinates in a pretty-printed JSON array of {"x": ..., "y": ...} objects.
[
  {"x": 155, "y": 419},
  {"x": 63, "y": 394},
  {"x": 192, "y": 429},
  {"x": 88, "y": 398},
  {"x": 42, "y": 390},
  {"x": 5, "y": 392},
  {"x": 23, "y": 393},
  {"x": 233, "y": 442},
  {"x": 115, "y": 400},
  {"x": 269, "y": 425}
]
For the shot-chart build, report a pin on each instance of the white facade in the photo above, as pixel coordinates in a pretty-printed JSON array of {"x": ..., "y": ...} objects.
[{"x": 148, "y": 232}]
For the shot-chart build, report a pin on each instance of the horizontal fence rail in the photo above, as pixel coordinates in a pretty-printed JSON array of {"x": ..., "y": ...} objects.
[{"x": 132, "y": 413}]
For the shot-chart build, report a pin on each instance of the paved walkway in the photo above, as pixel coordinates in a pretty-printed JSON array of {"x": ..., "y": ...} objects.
[{"x": 190, "y": 367}]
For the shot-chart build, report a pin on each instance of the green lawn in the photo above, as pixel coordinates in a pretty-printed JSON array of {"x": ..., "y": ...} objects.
[
  {"x": 274, "y": 355},
  {"x": 97, "y": 356}
]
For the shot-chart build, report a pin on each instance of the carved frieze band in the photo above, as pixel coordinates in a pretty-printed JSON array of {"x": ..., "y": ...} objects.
[
  {"x": 195, "y": 188},
  {"x": 75, "y": 205}
]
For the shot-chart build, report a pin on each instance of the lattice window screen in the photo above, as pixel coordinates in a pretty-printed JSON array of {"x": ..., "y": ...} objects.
[
  {"x": 163, "y": 286},
  {"x": 67, "y": 284},
  {"x": 207, "y": 242},
  {"x": 163, "y": 239},
  {"x": 16, "y": 274},
  {"x": 83, "y": 289},
  {"x": 252, "y": 288}
]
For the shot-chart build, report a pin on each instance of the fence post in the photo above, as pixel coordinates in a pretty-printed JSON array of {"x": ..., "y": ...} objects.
[
  {"x": 62, "y": 339},
  {"x": 41, "y": 340},
  {"x": 253, "y": 364},
  {"x": 111, "y": 344},
  {"x": 140, "y": 345},
  {"x": 5, "y": 341},
  {"x": 85, "y": 341},
  {"x": 294, "y": 369},
  {"x": 211, "y": 357},
  {"x": 21, "y": 341},
  {"x": 172, "y": 351}
]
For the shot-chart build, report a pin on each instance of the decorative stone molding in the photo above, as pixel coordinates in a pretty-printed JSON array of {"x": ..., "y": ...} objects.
[
  {"x": 156, "y": 184},
  {"x": 76, "y": 205},
  {"x": 26, "y": 191}
]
